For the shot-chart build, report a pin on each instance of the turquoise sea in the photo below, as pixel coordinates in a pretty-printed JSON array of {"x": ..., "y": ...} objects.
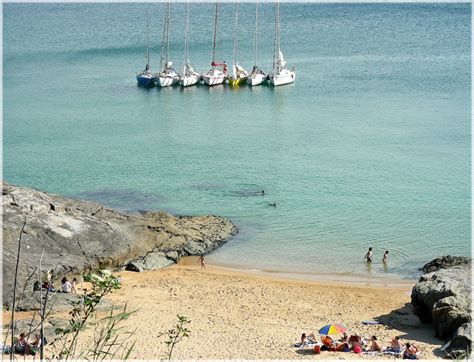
[{"x": 371, "y": 146}]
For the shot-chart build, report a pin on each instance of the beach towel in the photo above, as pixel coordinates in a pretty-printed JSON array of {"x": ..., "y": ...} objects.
[
  {"x": 306, "y": 344},
  {"x": 371, "y": 322},
  {"x": 394, "y": 352},
  {"x": 373, "y": 353}
]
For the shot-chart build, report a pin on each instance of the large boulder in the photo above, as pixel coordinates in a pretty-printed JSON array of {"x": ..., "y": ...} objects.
[
  {"x": 443, "y": 296},
  {"x": 72, "y": 236}
]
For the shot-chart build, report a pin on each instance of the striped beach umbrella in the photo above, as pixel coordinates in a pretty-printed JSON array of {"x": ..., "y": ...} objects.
[{"x": 333, "y": 329}]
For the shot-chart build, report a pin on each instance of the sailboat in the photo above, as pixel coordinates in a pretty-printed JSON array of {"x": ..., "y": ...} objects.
[
  {"x": 189, "y": 76},
  {"x": 147, "y": 78},
  {"x": 257, "y": 76},
  {"x": 239, "y": 74},
  {"x": 168, "y": 75},
  {"x": 281, "y": 75},
  {"x": 218, "y": 72}
]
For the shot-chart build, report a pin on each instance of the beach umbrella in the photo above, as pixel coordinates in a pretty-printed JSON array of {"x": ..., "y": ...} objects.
[{"x": 333, "y": 329}]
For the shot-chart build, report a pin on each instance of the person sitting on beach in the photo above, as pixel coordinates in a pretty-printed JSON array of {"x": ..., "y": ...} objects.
[
  {"x": 66, "y": 286},
  {"x": 21, "y": 346},
  {"x": 345, "y": 337},
  {"x": 73, "y": 285},
  {"x": 306, "y": 339},
  {"x": 35, "y": 345},
  {"x": 375, "y": 347},
  {"x": 368, "y": 256},
  {"x": 340, "y": 347},
  {"x": 47, "y": 276},
  {"x": 328, "y": 343},
  {"x": 355, "y": 341},
  {"x": 411, "y": 351},
  {"x": 396, "y": 345}
]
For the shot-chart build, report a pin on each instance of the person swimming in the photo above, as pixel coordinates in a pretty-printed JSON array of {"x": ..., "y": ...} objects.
[
  {"x": 385, "y": 256},
  {"x": 369, "y": 255},
  {"x": 273, "y": 204}
]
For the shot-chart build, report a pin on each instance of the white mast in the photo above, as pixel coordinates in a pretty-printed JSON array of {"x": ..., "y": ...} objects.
[
  {"x": 235, "y": 32},
  {"x": 147, "y": 55},
  {"x": 276, "y": 47},
  {"x": 163, "y": 40},
  {"x": 214, "y": 35},
  {"x": 168, "y": 32},
  {"x": 186, "y": 40},
  {"x": 255, "y": 39}
]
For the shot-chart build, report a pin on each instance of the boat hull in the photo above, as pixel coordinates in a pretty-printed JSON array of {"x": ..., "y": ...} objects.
[
  {"x": 189, "y": 80},
  {"x": 235, "y": 82},
  {"x": 213, "y": 78},
  {"x": 146, "y": 80},
  {"x": 285, "y": 76},
  {"x": 256, "y": 79},
  {"x": 167, "y": 81}
]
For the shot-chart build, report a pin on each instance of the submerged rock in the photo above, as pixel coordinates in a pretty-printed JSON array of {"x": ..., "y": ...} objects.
[
  {"x": 443, "y": 296},
  {"x": 72, "y": 236}
]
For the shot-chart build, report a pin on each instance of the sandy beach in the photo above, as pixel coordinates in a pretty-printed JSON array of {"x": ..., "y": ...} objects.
[{"x": 238, "y": 315}]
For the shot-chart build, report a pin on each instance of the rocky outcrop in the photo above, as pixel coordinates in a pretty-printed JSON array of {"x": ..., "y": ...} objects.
[
  {"x": 444, "y": 262},
  {"x": 70, "y": 236},
  {"x": 443, "y": 296}
]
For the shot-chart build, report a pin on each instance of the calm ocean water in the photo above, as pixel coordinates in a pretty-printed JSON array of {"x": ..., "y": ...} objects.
[{"x": 370, "y": 146}]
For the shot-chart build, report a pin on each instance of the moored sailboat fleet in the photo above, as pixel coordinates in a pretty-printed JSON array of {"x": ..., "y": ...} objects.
[{"x": 218, "y": 74}]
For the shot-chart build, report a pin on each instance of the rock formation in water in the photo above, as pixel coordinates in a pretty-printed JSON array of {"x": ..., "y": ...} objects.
[
  {"x": 443, "y": 296},
  {"x": 71, "y": 236}
]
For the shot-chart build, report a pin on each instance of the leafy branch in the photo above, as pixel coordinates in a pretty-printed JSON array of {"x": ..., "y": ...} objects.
[
  {"x": 106, "y": 334},
  {"x": 176, "y": 334}
]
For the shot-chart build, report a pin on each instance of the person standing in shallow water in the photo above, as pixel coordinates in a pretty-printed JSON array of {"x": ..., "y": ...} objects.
[
  {"x": 385, "y": 256},
  {"x": 202, "y": 261},
  {"x": 369, "y": 255}
]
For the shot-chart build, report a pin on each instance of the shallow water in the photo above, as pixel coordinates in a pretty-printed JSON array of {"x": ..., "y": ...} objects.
[{"x": 370, "y": 146}]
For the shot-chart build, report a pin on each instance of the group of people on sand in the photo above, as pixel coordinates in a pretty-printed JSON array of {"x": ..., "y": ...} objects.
[
  {"x": 25, "y": 347},
  {"x": 370, "y": 255},
  {"x": 65, "y": 287},
  {"x": 357, "y": 344}
]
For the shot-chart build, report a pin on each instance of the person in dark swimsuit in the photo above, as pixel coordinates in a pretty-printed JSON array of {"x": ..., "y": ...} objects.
[{"x": 369, "y": 255}]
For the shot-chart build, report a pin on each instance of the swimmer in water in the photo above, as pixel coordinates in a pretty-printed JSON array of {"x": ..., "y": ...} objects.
[
  {"x": 385, "y": 256},
  {"x": 369, "y": 255},
  {"x": 274, "y": 204},
  {"x": 262, "y": 193}
]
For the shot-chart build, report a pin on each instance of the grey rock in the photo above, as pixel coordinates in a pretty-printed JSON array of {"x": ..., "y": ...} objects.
[
  {"x": 173, "y": 255},
  {"x": 443, "y": 297},
  {"x": 75, "y": 236},
  {"x": 461, "y": 343},
  {"x": 449, "y": 314},
  {"x": 152, "y": 261},
  {"x": 444, "y": 262}
]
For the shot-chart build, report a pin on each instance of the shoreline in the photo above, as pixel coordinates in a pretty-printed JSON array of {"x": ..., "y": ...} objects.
[{"x": 340, "y": 279}]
